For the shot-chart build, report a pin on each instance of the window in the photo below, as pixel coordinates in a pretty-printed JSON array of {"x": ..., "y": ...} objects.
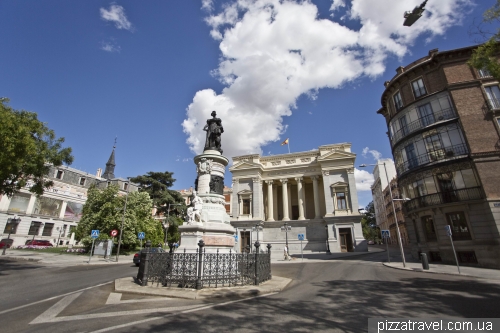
[
  {"x": 483, "y": 72},
  {"x": 34, "y": 228},
  {"x": 411, "y": 156},
  {"x": 19, "y": 203},
  {"x": 59, "y": 174},
  {"x": 10, "y": 228},
  {"x": 459, "y": 227},
  {"x": 403, "y": 125},
  {"x": 434, "y": 147},
  {"x": 398, "y": 102},
  {"x": 418, "y": 88},
  {"x": 47, "y": 229},
  {"x": 416, "y": 232},
  {"x": 493, "y": 96},
  {"x": 428, "y": 226},
  {"x": 498, "y": 121},
  {"x": 82, "y": 181},
  {"x": 341, "y": 202},
  {"x": 426, "y": 115},
  {"x": 434, "y": 256},
  {"x": 467, "y": 257},
  {"x": 125, "y": 186},
  {"x": 246, "y": 206}
]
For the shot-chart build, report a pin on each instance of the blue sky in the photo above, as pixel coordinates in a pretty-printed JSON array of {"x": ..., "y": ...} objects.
[{"x": 151, "y": 72}]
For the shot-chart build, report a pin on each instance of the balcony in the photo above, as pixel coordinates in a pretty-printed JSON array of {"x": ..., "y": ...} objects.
[
  {"x": 431, "y": 157},
  {"x": 466, "y": 194},
  {"x": 422, "y": 122}
]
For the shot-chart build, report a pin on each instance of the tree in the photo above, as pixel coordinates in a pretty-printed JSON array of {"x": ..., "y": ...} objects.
[
  {"x": 369, "y": 224},
  {"x": 173, "y": 234},
  {"x": 27, "y": 149},
  {"x": 157, "y": 185},
  {"x": 486, "y": 55},
  {"x": 103, "y": 211}
]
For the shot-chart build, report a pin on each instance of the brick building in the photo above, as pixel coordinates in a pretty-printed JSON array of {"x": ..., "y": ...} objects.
[{"x": 443, "y": 118}]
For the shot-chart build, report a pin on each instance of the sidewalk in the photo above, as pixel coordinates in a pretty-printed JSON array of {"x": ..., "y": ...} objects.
[
  {"x": 484, "y": 273},
  {"x": 64, "y": 259}
]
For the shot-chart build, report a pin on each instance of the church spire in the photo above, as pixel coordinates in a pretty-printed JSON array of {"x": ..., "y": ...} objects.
[{"x": 109, "y": 172}]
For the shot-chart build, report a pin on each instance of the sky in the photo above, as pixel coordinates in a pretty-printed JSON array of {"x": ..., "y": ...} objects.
[{"x": 149, "y": 73}]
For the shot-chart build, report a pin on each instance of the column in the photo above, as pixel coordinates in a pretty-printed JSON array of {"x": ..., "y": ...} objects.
[
  {"x": 353, "y": 194},
  {"x": 290, "y": 201},
  {"x": 347, "y": 206},
  {"x": 270, "y": 213},
  {"x": 250, "y": 208},
  {"x": 300, "y": 194},
  {"x": 235, "y": 203},
  {"x": 275, "y": 202},
  {"x": 286, "y": 217},
  {"x": 63, "y": 210},
  {"x": 317, "y": 214},
  {"x": 256, "y": 199}
]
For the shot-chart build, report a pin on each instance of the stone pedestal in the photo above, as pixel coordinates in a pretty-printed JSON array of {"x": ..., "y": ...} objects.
[{"x": 214, "y": 228}]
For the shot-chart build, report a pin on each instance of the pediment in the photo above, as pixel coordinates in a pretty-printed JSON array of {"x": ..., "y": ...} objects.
[
  {"x": 245, "y": 192},
  {"x": 244, "y": 165},
  {"x": 336, "y": 155},
  {"x": 339, "y": 184}
]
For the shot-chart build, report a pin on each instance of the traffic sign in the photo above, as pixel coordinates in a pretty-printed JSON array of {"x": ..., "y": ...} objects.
[
  {"x": 236, "y": 238},
  {"x": 94, "y": 233},
  {"x": 385, "y": 233},
  {"x": 141, "y": 235},
  {"x": 301, "y": 237},
  {"x": 114, "y": 233},
  {"x": 448, "y": 230}
]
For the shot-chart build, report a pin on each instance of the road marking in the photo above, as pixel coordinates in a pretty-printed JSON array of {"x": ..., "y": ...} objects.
[
  {"x": 55, "y": 309},
  {"x": 55, "y": 297},
  {"x": 173, "y": 314},
  {"x": 115, "y": 298}
]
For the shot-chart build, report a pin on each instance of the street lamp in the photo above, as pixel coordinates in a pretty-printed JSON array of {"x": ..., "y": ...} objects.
[
  {"x": 393, "y": 210},
  {"x": 123, "y": 220},
  {"x": 168, "y": 216},
  {"x": 38, "y": 225},
  {"x": 285, "y": 228},
  {"x": 11, "y": 222}
]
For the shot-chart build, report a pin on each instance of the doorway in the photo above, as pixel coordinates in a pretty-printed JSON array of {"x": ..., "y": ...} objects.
[
  {"x": 245, "y": 241},
  {"x": 345, "y": 240}
]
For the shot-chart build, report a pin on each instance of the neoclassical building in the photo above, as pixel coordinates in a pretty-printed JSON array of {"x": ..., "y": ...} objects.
[{"x": 313, "y": 192}]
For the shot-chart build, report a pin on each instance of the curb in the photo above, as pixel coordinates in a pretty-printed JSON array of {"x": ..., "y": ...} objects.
[
  {"x": 275, "y": 285},
  {"x": 21, "y": 258},
  {"x": 432, "y": 272}
]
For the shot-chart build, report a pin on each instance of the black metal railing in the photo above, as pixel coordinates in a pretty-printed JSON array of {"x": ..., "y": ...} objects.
[
  {"x": 432, "y": 156},
  {"x": 422, "y": 122},
  {"x": 465, "y": 194},
  {"x": 204, "y": 270}
]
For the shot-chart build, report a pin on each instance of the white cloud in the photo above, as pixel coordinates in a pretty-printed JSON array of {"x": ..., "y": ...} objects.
[
  {"x": 337, "y": 4},
  {"x": 364, "y": 180},
  {"x": 207, "y": 5},
  {"x": 110, "y": 46},
  {"x": 117, "y": 15},
  {"x": 275, "y": 51},
  {"x": 375, "y": 154}
]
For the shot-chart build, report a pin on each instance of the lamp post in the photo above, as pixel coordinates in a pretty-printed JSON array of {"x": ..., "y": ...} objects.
[
  {"x": 393, "y": 211},
  {"x": 123, "y": 221},
  {"x": 168, "y": 216},
  {"x": 285, "y": 228},
  {"x": 11, "y": 222}
]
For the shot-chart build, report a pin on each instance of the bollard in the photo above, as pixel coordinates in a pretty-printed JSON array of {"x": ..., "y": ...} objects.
[{"x": 425, "y": 262}]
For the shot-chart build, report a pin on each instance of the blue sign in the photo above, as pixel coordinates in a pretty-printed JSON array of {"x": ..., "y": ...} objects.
[
  {"x": 141, "y": 235},
  {"x": 301, "y": 237},
  {"x": 385, "y": 233},
  {"x": 448, "y": 230},
  {"x": 236, "y": 238},
  {"x": 94, "y": 233}
]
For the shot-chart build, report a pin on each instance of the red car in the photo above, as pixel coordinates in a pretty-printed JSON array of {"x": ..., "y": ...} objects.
[
  {"x": 39, "y": 242},
  {"x": 6, "y": 242}
]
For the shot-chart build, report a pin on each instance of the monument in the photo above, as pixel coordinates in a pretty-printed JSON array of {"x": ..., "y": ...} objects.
[{"x": 207, "y": 219}]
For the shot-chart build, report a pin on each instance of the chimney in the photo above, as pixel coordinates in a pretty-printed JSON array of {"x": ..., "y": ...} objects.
[{"x": 99, "y": 172}]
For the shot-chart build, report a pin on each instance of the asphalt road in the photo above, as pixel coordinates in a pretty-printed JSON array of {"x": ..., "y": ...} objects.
[{"x": 331, "y": 296}]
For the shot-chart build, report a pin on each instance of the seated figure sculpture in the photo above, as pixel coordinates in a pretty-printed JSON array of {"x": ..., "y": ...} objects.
[{"x": 194, "y": 212}]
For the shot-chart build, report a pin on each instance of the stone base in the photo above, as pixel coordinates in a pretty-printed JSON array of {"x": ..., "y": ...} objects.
[{"x": 216, "y": 235}]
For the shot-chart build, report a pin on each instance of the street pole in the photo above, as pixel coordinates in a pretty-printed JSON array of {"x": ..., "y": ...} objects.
[
  {"x": 10, "y": 221},
  {"x": 123, "y": 222}
]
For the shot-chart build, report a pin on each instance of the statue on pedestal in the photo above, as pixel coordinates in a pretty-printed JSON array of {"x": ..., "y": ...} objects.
[
  {"x": 194, "y": 212},
  {"x": 214, "y": 130}
]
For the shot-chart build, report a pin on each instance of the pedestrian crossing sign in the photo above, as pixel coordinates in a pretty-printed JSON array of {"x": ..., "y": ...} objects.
[
  {"x": 141, "y": 235},
  {"x": 94, "y": 233},
  {"x": 385, "y": 233},
  {"x": 301, "y": 237}
]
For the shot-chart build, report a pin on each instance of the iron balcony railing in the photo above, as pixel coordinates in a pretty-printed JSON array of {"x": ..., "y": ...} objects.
[
  {"x": 422, "y": 122},
  {"x": 432, "y": 156},
  {"x": 204, "y": 270},
  {"x": 493, "y": 103},
  {"x": 465, "y": 194}
]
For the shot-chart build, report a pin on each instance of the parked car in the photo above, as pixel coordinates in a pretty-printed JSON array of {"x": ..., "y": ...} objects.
[
  {"x": 371, "y": 242},
  {"x": 137, "y": 256},
  {"x": 39, "y": 242},
  {"x": 6, "y": 242}
]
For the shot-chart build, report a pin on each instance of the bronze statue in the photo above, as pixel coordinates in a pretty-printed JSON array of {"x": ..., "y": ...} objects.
[{"x": 214, "y": 130}]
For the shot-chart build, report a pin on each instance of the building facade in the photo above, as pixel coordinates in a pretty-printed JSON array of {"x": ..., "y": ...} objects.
[
  {"x": 443, "y": 120},
  {"x": 276, "y": 198},
  {"x": 54, "y": 215}
]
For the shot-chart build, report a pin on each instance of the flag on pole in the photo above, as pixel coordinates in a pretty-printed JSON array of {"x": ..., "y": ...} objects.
[{"x": 284, "y": 142}]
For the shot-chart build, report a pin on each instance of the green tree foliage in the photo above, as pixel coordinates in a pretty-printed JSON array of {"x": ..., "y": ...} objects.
[
  {"x": 369, "y": 224},
  {"x": 173, "y": 234},
  {"x": 157, "y": 185},
  {"x": 486, "y": 55},
  {"x": 103, "y": 211},
  {"x": 27, "y": 148}
]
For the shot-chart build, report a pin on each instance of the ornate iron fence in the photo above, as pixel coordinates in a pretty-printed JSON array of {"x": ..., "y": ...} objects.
[{"x": 204, "y": 270}]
